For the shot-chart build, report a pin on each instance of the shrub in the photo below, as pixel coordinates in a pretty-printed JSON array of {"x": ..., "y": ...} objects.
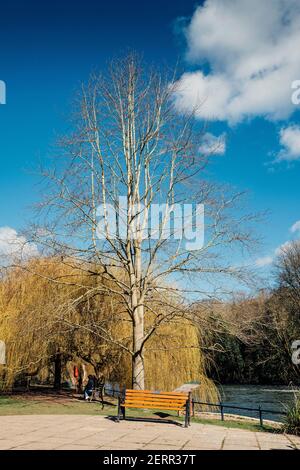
[{"x": 292, "y": 421}]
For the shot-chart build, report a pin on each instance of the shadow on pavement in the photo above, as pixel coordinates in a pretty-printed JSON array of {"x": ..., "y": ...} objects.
[{"x": 146, "y": 420}]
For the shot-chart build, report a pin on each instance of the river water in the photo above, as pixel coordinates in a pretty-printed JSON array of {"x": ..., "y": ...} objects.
[
  {"x": 270, "y": 398},
  {"x": 251, "y": 396}
]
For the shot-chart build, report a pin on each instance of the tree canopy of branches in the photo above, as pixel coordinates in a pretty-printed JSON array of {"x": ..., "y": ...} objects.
[
  {"x": 268, "y": 324},
  {"x": 128, "y": 141}
]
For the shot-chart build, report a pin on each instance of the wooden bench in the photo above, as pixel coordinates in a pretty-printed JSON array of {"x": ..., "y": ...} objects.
[{"x": 146, "y": 399}]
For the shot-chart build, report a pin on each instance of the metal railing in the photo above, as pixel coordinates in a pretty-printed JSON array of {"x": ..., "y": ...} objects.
[
  {"x": 112, "y": 392},
  {"x": 258, "y": 411}
]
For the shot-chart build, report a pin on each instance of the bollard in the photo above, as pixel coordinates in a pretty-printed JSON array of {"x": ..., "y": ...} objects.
[
  {"x": 222, "y": 411},
  {"x": 260, "y": 416}
]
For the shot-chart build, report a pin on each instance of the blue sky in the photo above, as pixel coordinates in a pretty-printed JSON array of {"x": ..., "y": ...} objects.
[{"x": 242, "y": 58}]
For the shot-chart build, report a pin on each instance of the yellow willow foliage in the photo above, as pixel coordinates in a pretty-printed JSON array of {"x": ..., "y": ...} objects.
[
  {"x": 26, "y": 324},
  {"x": 172, "y": 358},
  {"x": 37, "y": 318}
]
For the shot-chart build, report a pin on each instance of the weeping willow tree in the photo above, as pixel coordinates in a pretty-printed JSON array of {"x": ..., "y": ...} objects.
[
  {"x": 40, "y": 319},
  {"x": 33, "y": 335}
]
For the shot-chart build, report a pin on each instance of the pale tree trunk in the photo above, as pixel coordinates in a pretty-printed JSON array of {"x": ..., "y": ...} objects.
[
  {"x": 138, "y": 313},
  {"x": 138, "y": 371}
]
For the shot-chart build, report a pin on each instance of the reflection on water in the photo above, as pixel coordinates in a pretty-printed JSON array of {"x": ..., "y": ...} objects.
[{"x": 268, "y": 397}]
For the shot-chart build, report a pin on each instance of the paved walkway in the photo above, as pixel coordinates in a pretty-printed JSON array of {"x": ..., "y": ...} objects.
[{"x": 98, "y": 432}]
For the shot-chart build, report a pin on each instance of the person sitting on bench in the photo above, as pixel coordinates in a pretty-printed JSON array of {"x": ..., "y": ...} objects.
[{"x": 89, "y": 388}]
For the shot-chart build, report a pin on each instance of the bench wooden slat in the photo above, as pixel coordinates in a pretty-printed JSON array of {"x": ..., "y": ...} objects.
[
  {"x": 146, "y": 392},
  {"x": 157, "y": 403},
  {"x": 181, "y": 395},
  {"x": 154, "y": 407},
  {"x": 163, "y": 402},
  {"x": 155, "y": 395}
]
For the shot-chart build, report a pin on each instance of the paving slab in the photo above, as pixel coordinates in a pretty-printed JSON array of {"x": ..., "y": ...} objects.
[{"x": 98, "y": 432}]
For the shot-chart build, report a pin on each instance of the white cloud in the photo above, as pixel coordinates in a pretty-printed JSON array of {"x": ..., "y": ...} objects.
[
  {"x": 15, "y": 247},
  {"x": 252, "y": 48},
  {"x": 290, "y": 142},
  {"x": 267, "y": 260},
  {"x": 264, "y": 261},
  {"x": 213, "y": 145},
  {"x": 283, "y": 248},
  {"x": 295, "y": 227}
]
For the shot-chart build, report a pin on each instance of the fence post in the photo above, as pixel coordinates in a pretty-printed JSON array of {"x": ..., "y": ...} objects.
[
  {"x": 187, "y": 411},
  {"x": 260, "y": 416},
  {"x": 222, "y": 411},
  {"x": 119, "y": 408}
]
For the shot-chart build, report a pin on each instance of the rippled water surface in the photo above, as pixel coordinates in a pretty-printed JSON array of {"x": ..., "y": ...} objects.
[{"x": 271, "y": 398}]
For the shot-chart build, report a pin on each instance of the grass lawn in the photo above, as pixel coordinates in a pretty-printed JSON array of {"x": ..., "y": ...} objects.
[
  {"x": 19, "y": 405},
  {"x": 33, "y": 404},
  {"x": 250, "y": 426}
]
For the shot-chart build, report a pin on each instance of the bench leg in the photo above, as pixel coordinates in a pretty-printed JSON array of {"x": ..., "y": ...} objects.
[
  {"x": 119, "y": 409},
  {"x": 186, "y": 423},
  {"x": 191, "y": 407},
  {"x": 187, "y": 414}
]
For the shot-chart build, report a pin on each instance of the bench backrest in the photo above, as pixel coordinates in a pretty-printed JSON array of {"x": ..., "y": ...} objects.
[{"x": 160, "y": 400}]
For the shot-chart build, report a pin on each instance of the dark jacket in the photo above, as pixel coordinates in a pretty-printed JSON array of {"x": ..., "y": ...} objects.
[{"x": 90, "y": 385}]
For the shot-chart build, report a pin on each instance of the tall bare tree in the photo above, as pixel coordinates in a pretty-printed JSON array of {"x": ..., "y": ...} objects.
[{"x": 115, "y": 205}]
